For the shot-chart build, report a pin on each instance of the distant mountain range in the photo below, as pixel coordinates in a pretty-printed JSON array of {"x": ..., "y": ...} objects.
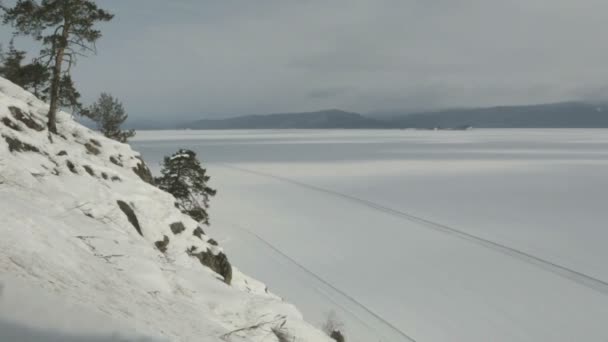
[
  {"x": 323, "y": 119},
  {"x": 553, "y": 115}
]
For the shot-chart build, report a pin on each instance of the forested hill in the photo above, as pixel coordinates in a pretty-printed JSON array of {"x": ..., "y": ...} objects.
[
  {"x": 320, "y": 119},
  {"x": 553, "y": 115}
]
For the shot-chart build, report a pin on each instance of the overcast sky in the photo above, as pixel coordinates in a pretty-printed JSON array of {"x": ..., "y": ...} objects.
[{"x": 198, "y": 58}]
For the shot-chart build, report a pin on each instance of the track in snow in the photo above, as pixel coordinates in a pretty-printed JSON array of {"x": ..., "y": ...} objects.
[
  {"x": 565, "y": 272},
  {"x": 317, "y": 277}
]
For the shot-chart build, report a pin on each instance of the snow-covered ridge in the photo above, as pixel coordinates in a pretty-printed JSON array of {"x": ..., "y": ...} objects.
[{"x": 78, "y": 221}]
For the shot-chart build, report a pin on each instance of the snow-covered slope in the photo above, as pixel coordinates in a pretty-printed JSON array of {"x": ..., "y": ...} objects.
[{"x": 65, "y": 231}]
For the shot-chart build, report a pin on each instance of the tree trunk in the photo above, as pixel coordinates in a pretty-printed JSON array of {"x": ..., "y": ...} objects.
[
  {"x": 55, "y": 92},
  {"x": 56, "y": 78}
]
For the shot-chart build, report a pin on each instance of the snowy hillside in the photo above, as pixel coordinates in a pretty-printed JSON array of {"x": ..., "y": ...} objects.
[{"x": 78, "y": 222}]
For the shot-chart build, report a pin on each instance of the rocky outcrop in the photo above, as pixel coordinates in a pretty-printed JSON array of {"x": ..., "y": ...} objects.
[
  {"x": 162, "y": 245},
  {"x": 143, "y": 171},
  {"x": 130, "y": 215},
  {"x": 177, "y": 227},
  {"x": 217, "y": 262}
]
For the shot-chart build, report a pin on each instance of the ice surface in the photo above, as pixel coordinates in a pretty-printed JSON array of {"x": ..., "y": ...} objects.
[{"x": 340, "y": 203}]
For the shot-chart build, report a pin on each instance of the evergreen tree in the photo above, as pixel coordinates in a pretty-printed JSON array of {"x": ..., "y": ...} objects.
[
  {"x": 33, "y": 77},
  {"x": 11, "y": 65},
  {"x": 66, "y": 30},
  {"x": 68, "y": 95},
  {"x": 36, "y": 78},
  {"x": 109, "y": 114},
  {"x": 184, "y": 178}
]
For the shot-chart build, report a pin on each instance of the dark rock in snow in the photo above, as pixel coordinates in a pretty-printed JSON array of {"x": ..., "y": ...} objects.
[
  {"x": 218, "y": 263},
  {"x": 26, "y": 119},
  {"x": 92, "y": 149},
  {"x": 199, "y": 232},
  {"x": 143, "y": 172},
  {"x": 162, "y": 245},
  {"x": 89, "y": 170},
  {"x": 71, "y": 166},
  {"x": 337, "y": 335},
  {"x": 16, "y": 145},
  {"x": 130, "y": 215},
  {"x": 115, "y": 161},
  {"x": 10, "y": 124},
  {"x": 177, "y": 227}
]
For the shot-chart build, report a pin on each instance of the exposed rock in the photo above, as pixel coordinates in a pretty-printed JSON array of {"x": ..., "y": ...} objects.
[
  {"x": 89, "y": 170},
  {"x": 282, "y": 334},
  {"x": 198, "y": 232},
  {"x": 212, "y": 242},
  {"x": 26, "y": 119},
  {"x": 337, "y": 335},
  {"x": 162, "y": 245},
  {"x": 92, "y": 149},
  {"x": 218, "y": 263},
  {"x": 62, "y": 153},
  {"x": 10, "y": 124},
  {"x": 130, "y": 215},
  {"x": 71, "y": 166},
  {"x": 177, "y": 227},
  {"x": 115, "y": 161},
  {"x": 143, "y": 172},
  {"x": 116, "y": 179},
  {"x": 16, "y": 145},
  {"x": 95, "y": 142},
  {"x": 104, "y": 175}
]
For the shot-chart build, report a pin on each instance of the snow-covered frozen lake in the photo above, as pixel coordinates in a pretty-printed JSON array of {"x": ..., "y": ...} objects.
[{"x": 483, "y": 235}]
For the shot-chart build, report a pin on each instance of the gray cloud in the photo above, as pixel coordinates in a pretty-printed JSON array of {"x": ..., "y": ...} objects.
[{"x": 196, "y": 58}]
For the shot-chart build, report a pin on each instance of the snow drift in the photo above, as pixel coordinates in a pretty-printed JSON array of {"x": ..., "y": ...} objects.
[{"x": 80, "y": 222}]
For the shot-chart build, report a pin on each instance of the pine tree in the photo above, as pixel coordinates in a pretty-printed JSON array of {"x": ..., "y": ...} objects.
[
  {"x": 66, "y": 30},
  {"x": 33, "y": 77},
  {"x": 11, "y": 65},
  {"x": 69, "y": 97},
  {"x": 184, "y": 178},
  {"x": 109, "y": 114}
]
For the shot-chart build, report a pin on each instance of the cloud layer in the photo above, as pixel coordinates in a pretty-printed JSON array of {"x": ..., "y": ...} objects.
[{"x": 202, "y": 58}]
